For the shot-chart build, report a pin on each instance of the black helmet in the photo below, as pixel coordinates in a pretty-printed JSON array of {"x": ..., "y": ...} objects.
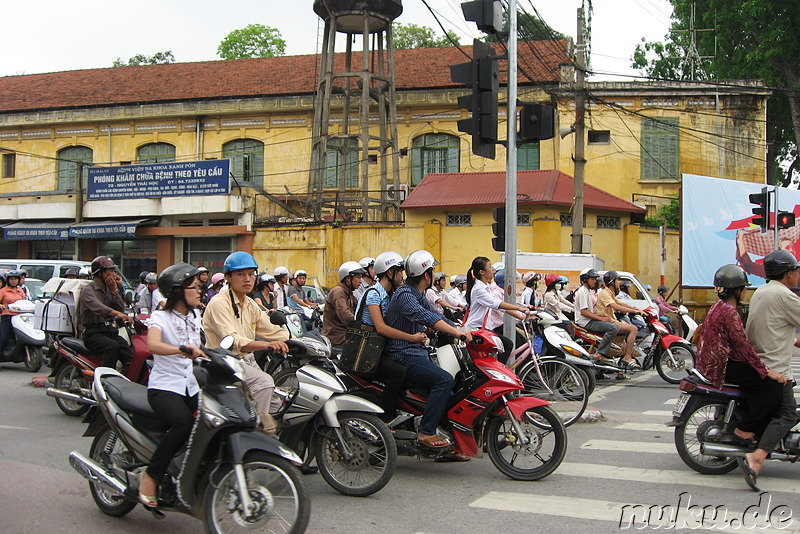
[
  {"x": 588, "y": 273},
  {"x": 779, "y": 262},
  {"x": 102, "y": 263},
  {"x": 142, "y": 275},
  {"x": 609, "y": 277},
  {"x": 174, "y": 276},
  {"x": 662, "y": 289},
  {"x": 730, "y": 276}
]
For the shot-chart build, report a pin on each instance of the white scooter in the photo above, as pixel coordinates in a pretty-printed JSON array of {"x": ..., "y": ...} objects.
[
  {"x": 688, "y": 324},
  {"x": 25, "y": 345}
]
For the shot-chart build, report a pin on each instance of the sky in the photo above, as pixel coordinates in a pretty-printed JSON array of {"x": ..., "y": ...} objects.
[{"x": 53, "y": 35}]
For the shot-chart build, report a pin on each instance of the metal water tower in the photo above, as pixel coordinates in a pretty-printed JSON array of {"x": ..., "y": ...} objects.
[{"x": 355, "y": 120}]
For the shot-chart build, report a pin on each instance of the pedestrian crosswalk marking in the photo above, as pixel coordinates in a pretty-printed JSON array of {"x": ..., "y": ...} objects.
[
  {"x": 665, "y": 413},
  {"x": 629, "y": 446},
  {"x": 647, "y": 427},
  {"x": 671, "y": 401}
]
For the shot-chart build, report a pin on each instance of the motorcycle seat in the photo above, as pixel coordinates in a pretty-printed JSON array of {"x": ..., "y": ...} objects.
[
  {"x": 76, "y": 345},
  {"x": 129, "y": 396}
]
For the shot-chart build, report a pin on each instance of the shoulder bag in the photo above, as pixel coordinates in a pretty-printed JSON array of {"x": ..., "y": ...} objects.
[{"x": 363, "y": 345}]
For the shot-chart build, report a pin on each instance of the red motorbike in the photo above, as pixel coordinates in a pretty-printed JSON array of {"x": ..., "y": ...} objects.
[
  {"x": 73, "y": 368},
  {"x": 525, "y": 438}
]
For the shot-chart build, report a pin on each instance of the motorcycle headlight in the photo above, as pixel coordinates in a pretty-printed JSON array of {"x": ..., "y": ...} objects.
[
  {"x": 497, "y": 375},
  {"x": 317, "y": 348}
]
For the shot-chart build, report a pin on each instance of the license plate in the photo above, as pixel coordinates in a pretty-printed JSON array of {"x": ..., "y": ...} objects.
[{"x": 681, "y": 404}]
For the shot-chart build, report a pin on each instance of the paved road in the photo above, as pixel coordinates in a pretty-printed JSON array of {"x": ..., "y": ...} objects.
[{"x": 627, "y": 459}]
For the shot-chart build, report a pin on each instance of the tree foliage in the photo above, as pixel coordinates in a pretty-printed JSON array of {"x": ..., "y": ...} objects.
[
  {"x": 254, "y": 40},
  {"x": 751, "y": 39},
  {"x": 159, "y": 58},
  {"x": 668, "y": 215},
  {"x": 406, "y": 36}
]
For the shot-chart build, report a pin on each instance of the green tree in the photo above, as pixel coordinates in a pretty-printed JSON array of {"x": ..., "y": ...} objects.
[
  {"x": 159, "y": 58},
  {"x": 668, "y": 215},
  {"x": 407, "y": 36},
  {"x": 752, "y": 39},
  {"x": 254, "y": 40}
]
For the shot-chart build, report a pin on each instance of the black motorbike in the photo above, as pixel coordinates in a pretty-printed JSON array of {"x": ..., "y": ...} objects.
[{"x": 228, "y": 474}]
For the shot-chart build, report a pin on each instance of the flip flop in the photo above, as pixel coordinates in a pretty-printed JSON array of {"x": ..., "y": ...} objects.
[
  {"x": 749, "y": 475},
  {"x": 453, "y": 457},
  {"x": 629, "y": 366},
  {"x": 433, "y": 442},
  {"x": 149, "y": 501}
]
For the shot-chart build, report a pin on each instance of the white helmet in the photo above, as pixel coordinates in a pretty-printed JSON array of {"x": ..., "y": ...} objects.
[
  {"x": 387, "y": 260},
  {"x": 280, "y": 271},
  {"x": 349, "y": 268},
  {"x": 498, "y": 265},
  {"x": 418, "y": 262},
  {"x": 366, "y": 262},
  {"x": 299, "y": 272},
  {"x": 453, "y": 279}
]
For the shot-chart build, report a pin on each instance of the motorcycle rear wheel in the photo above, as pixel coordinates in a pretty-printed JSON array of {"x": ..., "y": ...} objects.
[
  {"x": 33, "y": 358},
  {"x": 560, "y": 384},
  {"x": 544, "y": 452},
  {"x": 67, "y": 378},
  {"x": 374, "y": 449},
  {"x": 104, "y": 446},
  {"x": 276, "y": 487},
  {"x": 704, "y": 418},
  {"x": 674, "y": 369}
]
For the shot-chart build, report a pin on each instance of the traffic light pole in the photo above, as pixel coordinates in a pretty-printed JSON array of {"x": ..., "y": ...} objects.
[
  {"x": 511, "y": 173},
  {"x": 777, "y": 211}
]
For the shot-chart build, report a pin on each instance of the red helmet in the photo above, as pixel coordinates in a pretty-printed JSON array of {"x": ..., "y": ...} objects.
[
  {"x": 102, "y": 263},
  {"x": 551, "y": 279}
]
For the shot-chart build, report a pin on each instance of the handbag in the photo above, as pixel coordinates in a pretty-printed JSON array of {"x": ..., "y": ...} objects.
[{"x": 363, "y": 345}]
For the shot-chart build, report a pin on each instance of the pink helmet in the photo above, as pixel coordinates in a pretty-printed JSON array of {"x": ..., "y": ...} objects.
[
  {"x": 217, "y": 278},
  {"x": 530, "y": 275}
]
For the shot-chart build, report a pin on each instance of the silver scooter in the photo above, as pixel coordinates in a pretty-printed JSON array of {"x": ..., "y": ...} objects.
[{"x": 26, "y": 342}]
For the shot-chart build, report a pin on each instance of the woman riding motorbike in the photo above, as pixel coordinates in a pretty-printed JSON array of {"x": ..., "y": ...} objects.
[
  {"x": 174, "y": 340},
  {"x": 264, "y": 293},
  {"x": 9, "y": 294}
]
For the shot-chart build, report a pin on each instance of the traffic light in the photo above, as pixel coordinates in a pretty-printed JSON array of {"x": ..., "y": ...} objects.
[
  {"x": 482, "y": 76},
  {"x": 487, "y": 14},
  {"x": 499, "y": 229},
  {"x": 785, "y": 219},
  {"x": 537, "y": 122},
  {"x": 763, "y": 210}
]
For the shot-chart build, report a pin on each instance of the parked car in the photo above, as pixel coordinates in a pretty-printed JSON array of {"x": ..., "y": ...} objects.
[{"x": 42, "y": 269}]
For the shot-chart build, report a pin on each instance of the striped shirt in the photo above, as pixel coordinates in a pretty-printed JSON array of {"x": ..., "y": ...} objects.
[{"x": 409, "y": 311}]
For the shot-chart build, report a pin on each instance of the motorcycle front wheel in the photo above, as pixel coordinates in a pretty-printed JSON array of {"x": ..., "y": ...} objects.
[
  {"x": 33, "y": 358},
  {"x": 276, "y": 489},
  {"x": 69, "y": 378},
  {"x": 374, "y": 454},
  {"x": 703, "y": 420},
  {"x": 673, "y": 368},
  {"x": 107, "y": 447},
  {"x": 547, "y": 444}
]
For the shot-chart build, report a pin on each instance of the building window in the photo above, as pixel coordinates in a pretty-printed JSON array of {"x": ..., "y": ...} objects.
[
  {"x": 67, "y": 166},
  {"x": 459, "y": 219},
  {"x": 566, "y": 219},
  {"x": 523, "y": 219},
  {"x": 208, "y": 252},
  {"x": 599, "y": 137},
  {"x": 155, "y": 153},
  {"x": 528, "y": 157},
  {"x": 607, "y": 222},
  {"x": 247, "y": 161},
  {"x": 132, "y": 255},
  {"x": 434, "y": 153},
  {"x": 9, "y": 165},
  {"x": 341, "y": 163},
  {"x": 660, "y": 149}
]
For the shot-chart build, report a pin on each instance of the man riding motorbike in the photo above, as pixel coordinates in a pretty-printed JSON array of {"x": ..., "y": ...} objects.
[{"x": 340, "y": 304}]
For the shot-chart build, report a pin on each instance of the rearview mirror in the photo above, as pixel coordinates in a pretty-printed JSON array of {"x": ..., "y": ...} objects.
[
  {"x": 226, "y": 343},
  {"x": 277, "y": 318}
]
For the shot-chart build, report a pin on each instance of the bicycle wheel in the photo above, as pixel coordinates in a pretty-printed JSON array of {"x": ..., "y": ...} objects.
[{"x": 558, "y": 382}]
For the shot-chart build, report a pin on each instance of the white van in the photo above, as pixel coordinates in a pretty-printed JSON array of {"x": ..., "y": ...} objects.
[{"x": 42, "y": 269}]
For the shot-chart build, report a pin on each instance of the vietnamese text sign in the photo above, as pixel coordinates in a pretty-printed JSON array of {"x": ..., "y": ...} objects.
[{"x": 160, "y": 180}]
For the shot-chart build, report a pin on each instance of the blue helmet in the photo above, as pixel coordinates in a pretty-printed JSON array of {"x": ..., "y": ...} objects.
[
  {"x": 500, "y": 277},
  {"x": 238, "y": 261}
]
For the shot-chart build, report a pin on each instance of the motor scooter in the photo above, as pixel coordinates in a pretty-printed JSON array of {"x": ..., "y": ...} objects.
[
  {"x": 687, "y": 322},
  {"x": 74, "y": 365},
  {"x": 228, "y": 475},
  {"x": 26, "y": 342}
]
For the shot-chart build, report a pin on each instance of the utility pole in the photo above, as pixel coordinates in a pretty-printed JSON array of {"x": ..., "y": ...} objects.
[
  {"x": 511, "y": 173},
  {"x": 78, "y": 204},
  {"x": 580, "y": 161}
]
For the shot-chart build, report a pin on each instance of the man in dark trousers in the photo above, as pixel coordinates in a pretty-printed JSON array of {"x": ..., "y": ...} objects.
[{"x": 100, "y": 305}]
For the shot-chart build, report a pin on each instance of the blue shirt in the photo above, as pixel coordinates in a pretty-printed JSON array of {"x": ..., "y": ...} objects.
[
  {"x": 409, "y": 311},
  {"x": 379, "y": 297}
]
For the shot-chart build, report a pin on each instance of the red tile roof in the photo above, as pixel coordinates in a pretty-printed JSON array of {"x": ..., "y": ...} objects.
[
  {"x": 421, "y": 68},
  {"x": 476, "y": 189}
]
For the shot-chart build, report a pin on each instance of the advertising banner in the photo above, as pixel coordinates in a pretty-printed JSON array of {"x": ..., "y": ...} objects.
[
  {"x": 160, "y": 180},
  {"x": 717, "y": 229}
]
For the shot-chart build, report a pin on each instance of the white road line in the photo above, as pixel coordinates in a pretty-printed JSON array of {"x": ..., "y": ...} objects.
[
  {"x": 671, "y": 401},
  {"x": 647, "y": 427},
  {"x": 629, "y": 446},
  {"x": 8, "y": 427},
  {"x": 665, "y": 413},
  {"x": 677, "y": 477},
  {"x": 627, "y": 516}
]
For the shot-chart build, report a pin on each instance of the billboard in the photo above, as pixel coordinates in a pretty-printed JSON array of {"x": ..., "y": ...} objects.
[
  {"x": 188, "y": 178},
  {"x": 717, "y": 229}
]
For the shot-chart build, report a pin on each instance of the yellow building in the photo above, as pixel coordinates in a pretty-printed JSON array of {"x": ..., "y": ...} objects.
[{"x": 258, "y": 114}]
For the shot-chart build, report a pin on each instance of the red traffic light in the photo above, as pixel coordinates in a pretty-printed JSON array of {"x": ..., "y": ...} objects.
[{"x": 785, "y": 219}]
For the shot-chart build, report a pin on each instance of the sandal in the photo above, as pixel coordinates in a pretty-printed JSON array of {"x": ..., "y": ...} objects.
[
  {"x": 149, "y": 501},
  {"x": 630, "y": 366},
  {"x": 622, "y": 376},
  {"x": 750, "y": 477},
  {"x": 433, "y": 442},
  {"x": 453, "y": 457}
]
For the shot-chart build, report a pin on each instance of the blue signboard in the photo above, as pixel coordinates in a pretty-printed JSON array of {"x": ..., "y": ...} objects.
[
  {"x": 36, "y": 231},
  {"x": 160, "y": 180},
  {"x": 104, "y": 230}
]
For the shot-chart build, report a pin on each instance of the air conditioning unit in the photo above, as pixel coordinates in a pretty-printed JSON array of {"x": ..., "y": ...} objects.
[{"x": 397, "y": 193}]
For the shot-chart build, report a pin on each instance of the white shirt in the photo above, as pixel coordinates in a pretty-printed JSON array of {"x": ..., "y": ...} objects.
[
  {"x": 584, "y": 300},
  {"x": 458, "y": 297},
  {"x": 173, "y": 372},
  {"x": 482, "y": 301},
  {"x": 157, "y": 298}
]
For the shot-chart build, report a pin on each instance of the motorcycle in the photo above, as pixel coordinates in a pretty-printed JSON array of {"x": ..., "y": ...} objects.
[
  {"x": 704, "y": 414},
  {"x": 315, "y": 345},
  {"x": 74, "y": 365},
  {"x": 321, "y": 419},
  {"x": 687, "y": 322},
  {"x": 524, "y": 436},
  {"x": 228, "y": 475},
  {"x": 26, "y": 342}
]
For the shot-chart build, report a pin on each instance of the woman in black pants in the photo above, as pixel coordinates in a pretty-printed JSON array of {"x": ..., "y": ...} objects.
[{"x": 174, "y": 340}]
